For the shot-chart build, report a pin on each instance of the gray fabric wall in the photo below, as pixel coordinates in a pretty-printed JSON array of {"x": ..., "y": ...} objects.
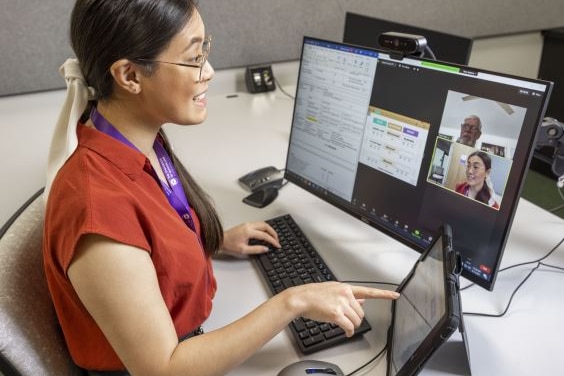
[{"x": 34, "y": 40}]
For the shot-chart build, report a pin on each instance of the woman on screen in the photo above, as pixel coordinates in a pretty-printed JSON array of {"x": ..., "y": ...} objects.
[
  {"x": 478, "y": 169},
  {"x": 129, "y": 235}
]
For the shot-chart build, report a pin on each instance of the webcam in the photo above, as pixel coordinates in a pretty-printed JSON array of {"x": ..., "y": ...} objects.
[{"x": 403, "y": 44}]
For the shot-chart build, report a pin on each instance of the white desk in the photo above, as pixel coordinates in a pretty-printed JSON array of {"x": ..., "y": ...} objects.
[{"x": 251, "y": 131}]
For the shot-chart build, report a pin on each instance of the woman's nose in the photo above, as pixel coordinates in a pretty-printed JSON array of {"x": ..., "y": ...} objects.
[{"x": 208, "y": 71}]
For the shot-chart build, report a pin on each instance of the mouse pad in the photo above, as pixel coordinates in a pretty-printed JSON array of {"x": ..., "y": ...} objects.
[{"x": 428, "y": 310}]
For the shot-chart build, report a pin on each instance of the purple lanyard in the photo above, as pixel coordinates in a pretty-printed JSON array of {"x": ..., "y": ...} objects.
[
  {"x": 173, "y": 190},
  {"x": 174, "y": 193}
]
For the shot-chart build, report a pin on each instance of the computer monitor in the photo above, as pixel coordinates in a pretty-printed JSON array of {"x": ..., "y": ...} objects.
[
  {"x": 386, "y": 141},
  {"x": 364, "y": 31}
]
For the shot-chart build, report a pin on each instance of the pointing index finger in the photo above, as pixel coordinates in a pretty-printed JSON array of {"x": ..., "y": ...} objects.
[{"x": 363, "y": 292}]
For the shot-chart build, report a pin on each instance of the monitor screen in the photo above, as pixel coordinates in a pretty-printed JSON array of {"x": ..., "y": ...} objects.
[
  {"x": 408, "y": 145},
  {"x": 364, "y": 31}
]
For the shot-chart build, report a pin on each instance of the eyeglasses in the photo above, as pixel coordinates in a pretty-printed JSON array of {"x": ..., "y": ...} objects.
[
  {"x": 197, "y": 62},
  {"x": 475, "y": 167},
  {"x": 470, "y": 127}
]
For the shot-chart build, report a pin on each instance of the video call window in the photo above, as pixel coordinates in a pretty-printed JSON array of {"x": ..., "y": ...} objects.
[{"x": 473, "y": 151}]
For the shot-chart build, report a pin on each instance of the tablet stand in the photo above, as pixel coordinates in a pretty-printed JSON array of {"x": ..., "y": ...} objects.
[{"x": 453, "y": 356}]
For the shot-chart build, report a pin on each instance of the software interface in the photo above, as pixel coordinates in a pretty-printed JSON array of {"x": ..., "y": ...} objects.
[{"x": 409, "y": 145}]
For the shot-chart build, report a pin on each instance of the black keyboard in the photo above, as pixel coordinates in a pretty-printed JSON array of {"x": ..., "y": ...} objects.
[{"x": 298, "y": 263}]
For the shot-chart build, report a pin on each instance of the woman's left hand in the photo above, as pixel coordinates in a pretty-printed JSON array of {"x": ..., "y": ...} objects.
[{"x": 236, "y": 239}]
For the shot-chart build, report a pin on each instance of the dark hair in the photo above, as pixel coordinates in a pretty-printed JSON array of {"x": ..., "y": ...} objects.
[
  {"x": 210, "y": 224},
  {"x": 105, "y": 31},
  {"x": 484, "y": 195}
]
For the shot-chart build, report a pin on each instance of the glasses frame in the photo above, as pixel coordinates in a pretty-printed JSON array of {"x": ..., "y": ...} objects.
[
  {"x": 199, "y": 61},
  {"x": 470, "y": 127}
]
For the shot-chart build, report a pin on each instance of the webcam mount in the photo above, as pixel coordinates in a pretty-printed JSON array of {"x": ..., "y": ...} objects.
[{"x": 551, "y": 134}]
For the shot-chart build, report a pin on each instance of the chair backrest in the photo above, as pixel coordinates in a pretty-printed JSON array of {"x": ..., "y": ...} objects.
[{"x": 31, "y": 342}]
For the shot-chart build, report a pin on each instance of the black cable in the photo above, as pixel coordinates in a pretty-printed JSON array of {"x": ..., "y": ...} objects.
[
  {"x": 552, "y": 266},
  {"x": 384, "y": 348},
  {"x": 538, "y": 262},
  {"x": 466, "y": 287},
  {"x": 370, "y": 361},
  {"x": 510, "y": 299},
  {"x": 523, "y": 263},
  {"x": 535, "y": 261},
  {"x": 282, "y": 90}
]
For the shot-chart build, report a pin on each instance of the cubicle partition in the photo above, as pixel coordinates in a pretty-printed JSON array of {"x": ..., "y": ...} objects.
[{"x": 34, "y": 37}]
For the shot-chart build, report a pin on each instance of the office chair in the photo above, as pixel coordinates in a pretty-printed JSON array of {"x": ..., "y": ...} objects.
[{"x": 31, "y": 342}]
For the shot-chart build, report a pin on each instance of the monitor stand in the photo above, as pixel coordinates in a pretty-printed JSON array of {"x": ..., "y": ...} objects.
[{"x": 453, "y": 356}]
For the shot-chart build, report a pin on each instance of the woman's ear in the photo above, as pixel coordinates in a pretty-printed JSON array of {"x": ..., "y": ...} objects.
[{"x": 126, "y": 75}]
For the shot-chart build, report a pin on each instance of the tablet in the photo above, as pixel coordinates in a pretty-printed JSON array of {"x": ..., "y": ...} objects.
[{"x": 428, "y": 310}]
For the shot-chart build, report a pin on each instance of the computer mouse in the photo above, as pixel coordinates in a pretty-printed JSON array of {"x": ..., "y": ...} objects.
[
  {"x": 311, "y": 367},
  {"x": 262, "y": 197}
]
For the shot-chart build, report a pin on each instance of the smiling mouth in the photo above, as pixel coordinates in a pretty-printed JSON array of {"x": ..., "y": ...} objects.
[
  {"x": 200, "y": 97},
  {"x": 473, "y": 180}
]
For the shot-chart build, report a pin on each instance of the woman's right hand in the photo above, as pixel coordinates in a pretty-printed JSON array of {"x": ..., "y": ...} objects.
[{"x": 334, "y": 302}]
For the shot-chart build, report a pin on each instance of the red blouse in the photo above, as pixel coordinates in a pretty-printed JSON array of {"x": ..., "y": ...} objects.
[
  {"x": 464, "y": 188},
  {"x": 103, "y": 189}
]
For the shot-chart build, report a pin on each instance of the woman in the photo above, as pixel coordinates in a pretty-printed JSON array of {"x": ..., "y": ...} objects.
[
  {"x": 128, "y": 250},
  {"x": 478, "y": 168}
]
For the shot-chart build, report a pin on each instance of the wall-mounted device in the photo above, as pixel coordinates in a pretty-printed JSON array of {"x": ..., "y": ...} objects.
[{"x": 260, "y": 79}]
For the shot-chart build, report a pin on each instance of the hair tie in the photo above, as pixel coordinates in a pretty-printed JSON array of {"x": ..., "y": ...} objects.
[{"x": 65, "y": 140}]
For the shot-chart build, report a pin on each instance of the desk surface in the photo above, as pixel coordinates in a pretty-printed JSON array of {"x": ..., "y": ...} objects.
[{"x": 245, "y": 132}]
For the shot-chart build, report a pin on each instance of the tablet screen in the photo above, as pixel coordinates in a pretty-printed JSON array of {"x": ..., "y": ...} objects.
[{"x": 421, "y": 314}]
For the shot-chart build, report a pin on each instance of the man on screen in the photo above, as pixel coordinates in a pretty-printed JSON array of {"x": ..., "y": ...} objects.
[{"x": 470, "y": 131}]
